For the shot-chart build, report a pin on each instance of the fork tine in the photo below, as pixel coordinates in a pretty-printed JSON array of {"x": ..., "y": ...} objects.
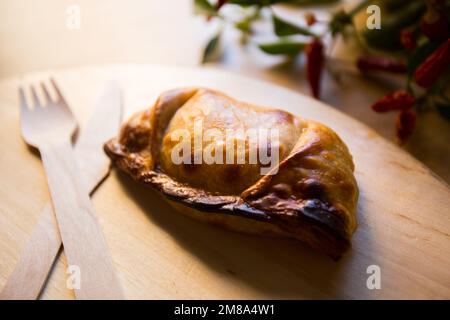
[
  {"x": 58, "y": 92},
  {"x": 48, "y": 98},
  {"x": 23, "y": 102},
  {"x": 35, "y": 98}
]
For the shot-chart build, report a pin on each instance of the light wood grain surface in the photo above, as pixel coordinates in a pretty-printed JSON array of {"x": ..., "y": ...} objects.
[{"x": 403, "y": 211}]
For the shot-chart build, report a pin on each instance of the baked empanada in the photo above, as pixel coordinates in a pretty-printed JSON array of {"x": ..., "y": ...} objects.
[{"x": 194, "y": 146}]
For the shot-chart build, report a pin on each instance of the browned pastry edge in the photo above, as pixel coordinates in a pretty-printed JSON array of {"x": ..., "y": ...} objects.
[{"x": 313, "y": 223}]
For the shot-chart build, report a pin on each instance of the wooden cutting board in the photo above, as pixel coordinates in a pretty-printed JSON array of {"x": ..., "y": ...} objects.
[{"x": 403, "y": 210}]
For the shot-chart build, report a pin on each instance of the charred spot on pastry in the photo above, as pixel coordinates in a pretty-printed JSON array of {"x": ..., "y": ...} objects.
[
  {"x": 269, "y": 200},
  {"x": 326, "y": 214},
  {"x": 282, "y": 190},
  {"x": 310, "y": 188}
]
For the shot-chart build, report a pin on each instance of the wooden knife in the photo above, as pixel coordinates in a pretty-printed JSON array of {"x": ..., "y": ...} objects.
[{"x": 38, "y": 256}]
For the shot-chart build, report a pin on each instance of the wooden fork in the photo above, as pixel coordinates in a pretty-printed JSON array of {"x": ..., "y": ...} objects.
[{"x": 49, "y": 127}]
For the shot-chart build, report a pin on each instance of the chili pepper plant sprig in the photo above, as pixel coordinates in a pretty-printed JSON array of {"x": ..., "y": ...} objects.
[
  {"x": 419, "y": 36},
  {"x": 311, "y": 44},
  {"x": 413, "y": 39}
]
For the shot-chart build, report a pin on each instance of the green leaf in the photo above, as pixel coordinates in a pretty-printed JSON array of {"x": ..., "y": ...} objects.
[
  {"x": 283, "y": 28},
  {"x": 203, "y": 7},
  {"x": 243, "y": 25},
  {"x": 283, "y": 47},
  {"x": 211, "y": 48}
]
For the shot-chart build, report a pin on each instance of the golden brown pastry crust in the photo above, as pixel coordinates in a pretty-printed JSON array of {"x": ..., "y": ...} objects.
[{"x": 312, "y": 197}]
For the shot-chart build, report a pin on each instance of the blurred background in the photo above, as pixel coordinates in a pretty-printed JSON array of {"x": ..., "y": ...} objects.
[{"x": 40, "y": 35}]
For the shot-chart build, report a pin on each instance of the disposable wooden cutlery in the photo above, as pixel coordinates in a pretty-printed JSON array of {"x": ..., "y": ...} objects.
[
  {"x": 35, "y": 262},
  {"x": 49, "y": 127}
]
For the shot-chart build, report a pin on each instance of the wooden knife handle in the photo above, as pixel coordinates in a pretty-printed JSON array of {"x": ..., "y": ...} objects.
[
  {"x": 84, "y": 244},
  {"x": 38, "y": 256},
  {"x": 36, "y": 260}
]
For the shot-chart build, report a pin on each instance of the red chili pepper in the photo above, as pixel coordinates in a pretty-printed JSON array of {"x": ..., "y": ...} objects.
[
  {"x": 310, "y": 18},
  {"x": 378, "y": 63},
  {"x": 407, "y": 39},
  {"x": 398, "y": 100},
  {"x": 405, "y": 124},
  {"x": 434, "y": 66},
  {"x": 314, "y": 65}
]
